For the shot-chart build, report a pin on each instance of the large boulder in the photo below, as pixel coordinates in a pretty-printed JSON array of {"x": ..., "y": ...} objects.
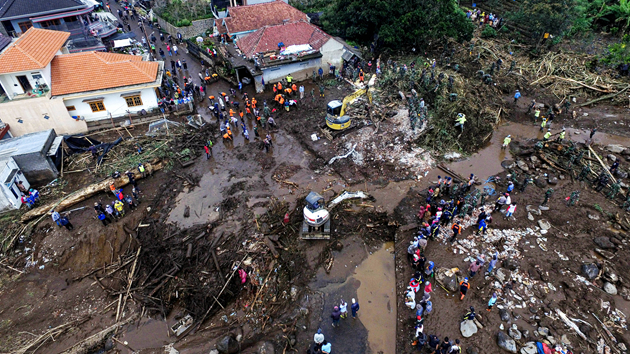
[
  {"x": 228, "y": 345},
  {"x": 468, "y": 328},
  {"x": 505, "y": 342},
  {"x": 610, "y": 288},
  {"x": 540, "y": 182},
  {"x": 507, "y": 164},
  {"x": 514, "y": 332},
  {"x": 522, "y": 165},
  {"x": 590, "y": 271},
  {"x": 604, "y": 242},
  {"x": 448, "y": 281},
  {"x": 505, "y": 316}
]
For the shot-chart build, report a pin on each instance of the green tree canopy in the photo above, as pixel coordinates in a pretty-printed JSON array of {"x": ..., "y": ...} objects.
[
  {"x": 546, "y": 16},
  {"x": 397, "y": 23}
]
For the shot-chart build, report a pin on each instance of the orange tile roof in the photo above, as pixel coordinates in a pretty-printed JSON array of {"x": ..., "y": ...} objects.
[
  {"x": 33, "y": 50},
  {"x": 267, "y": 38},
  {"x": 252, "y": 17},
  {"x": 91, "y": 71}
]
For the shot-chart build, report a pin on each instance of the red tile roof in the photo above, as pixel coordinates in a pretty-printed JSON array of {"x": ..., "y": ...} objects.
[
  {"x": 253, "y": 17},
  {"x": 90, "y": 71},
  {"x": 267, "y": 38},
  {"x": 33, "y": 50}
]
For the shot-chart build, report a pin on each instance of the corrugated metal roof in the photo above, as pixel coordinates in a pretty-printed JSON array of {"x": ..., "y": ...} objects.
[{"x": 25, "y": 144}]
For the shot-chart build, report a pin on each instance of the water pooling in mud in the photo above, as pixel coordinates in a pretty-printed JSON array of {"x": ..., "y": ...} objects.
[{"x": 377, "y": 294}]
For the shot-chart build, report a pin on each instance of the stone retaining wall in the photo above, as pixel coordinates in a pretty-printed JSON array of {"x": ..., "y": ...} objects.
[{"x": 196, "y": 28}]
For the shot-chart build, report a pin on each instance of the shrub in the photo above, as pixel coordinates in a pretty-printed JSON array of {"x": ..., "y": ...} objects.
[{"x": 488, "y": 32}]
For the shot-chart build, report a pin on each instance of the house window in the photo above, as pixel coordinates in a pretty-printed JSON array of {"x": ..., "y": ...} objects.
[
  {"x": 71, "y": 108},
  {"x": 50, "y": 23},
  {"x": 133, "y": 101},
  {"x": 24, "y": 26},
  {"x": 97, "y": 106}
]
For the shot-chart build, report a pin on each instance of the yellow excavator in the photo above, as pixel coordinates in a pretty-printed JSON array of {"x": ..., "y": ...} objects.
[{"x": 336, "y": 118}]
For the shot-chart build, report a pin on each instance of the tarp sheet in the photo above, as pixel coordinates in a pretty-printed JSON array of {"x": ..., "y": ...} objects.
[
  {"x": 122, "y": 43},
  {"x": 79, "y": 144},
  {"x": 294, "y": 49}
]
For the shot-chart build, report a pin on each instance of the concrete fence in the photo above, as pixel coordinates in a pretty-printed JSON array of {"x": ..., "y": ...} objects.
[{"x": 196, "y": 28}]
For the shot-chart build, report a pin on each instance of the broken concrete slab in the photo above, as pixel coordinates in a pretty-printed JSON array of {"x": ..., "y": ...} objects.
[
  {"x": 615, "y": 148},
  {"x": 544, "y": 224},
  {"x": 529, "y": 348}
]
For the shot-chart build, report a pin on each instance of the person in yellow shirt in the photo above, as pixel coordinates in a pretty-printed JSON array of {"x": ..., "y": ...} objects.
[{"x": 506, "y": 142}]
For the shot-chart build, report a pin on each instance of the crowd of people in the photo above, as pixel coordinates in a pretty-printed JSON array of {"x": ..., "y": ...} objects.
[
  {"x": 29, "y": 197},
  {"x": 114, "y": 210},
  {"x": 447, "y": 205},
  {"x": 480, "y": 17},
  {"x": 339, "y": 312}
]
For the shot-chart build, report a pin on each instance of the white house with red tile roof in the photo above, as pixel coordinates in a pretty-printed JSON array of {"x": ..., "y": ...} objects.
[
  {"x": 295, "y": 48},
  {"x": 242, "y": 20},
  {"x": 41, "y": 88}
]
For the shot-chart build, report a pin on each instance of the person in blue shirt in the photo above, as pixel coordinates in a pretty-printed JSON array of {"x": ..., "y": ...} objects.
[
  {"x": 510, "y": 187},
  {"x": 492, "y": 301},
  {"x": 326, "y": 347},
  {"x": 354, "y": 308},
  {"x": 517, "y": 95}
]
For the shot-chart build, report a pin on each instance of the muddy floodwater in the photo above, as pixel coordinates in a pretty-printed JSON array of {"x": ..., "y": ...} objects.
[
  {"x": 377, "y": 292},
  {"x": 368, "y": 275}
]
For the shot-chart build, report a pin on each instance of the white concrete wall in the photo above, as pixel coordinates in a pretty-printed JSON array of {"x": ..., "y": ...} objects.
[
  {"x": 300, "y": 70},
  {"x": 114, "y": 104},
  {"x": 331, "y": 53},
  {"x": 32, "y": 111},
  {"x": 7, "y": 198},
  {"x": 12, "y": 85}
]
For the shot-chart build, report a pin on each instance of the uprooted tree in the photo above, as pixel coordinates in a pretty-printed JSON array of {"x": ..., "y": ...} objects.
[{"x": 397, "y": 24}]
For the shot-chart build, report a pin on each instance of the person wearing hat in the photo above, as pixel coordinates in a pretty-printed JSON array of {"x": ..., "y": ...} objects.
[
  {"x": 562, "y": 135},
  {"x": 354, "y": 308},
  {"x": 336, "y": 316},
  {"x": 517, "y": 95},
  {"x": 506, "y": 142},
  {"x": 547, "y": 135},
  {"x": 427, "y": 287},
  {"x": 463, "y": 288},
  {"x": 461, "y": 119},
  {"x": 318, "y": 338},
  {"x": 470, "y": 315}
]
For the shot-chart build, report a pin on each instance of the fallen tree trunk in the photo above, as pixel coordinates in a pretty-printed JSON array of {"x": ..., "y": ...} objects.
[
  {"x": 87, "y": 192},
  {"x": 96, "y": 340}
]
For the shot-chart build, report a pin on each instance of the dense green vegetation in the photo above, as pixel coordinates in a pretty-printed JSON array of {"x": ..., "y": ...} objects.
[
  {"x": 397, "y": 24},
  {"x": 572, "y": 17},
  {"x": 181, "y": 13}
]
